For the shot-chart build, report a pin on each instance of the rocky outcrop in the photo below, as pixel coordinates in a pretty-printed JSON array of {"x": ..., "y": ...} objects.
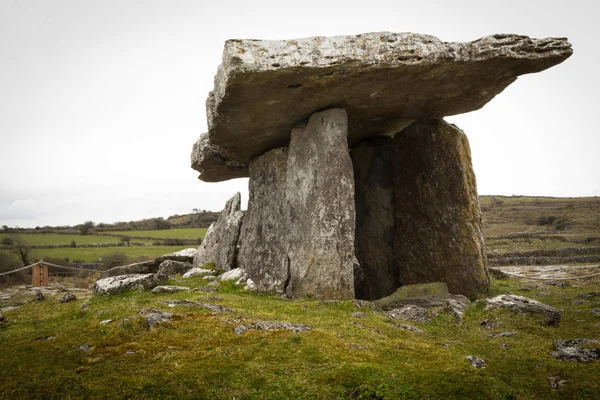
[
  {"x": 119, "y": 284},
  {"x": 320, "y": 201},
  {"x": 220, "y": 243},
  {"x": 581, "y": 350},
  {"x": 185, "y": 255},
  {"x": 169, "y": 289},
  {"x": 374, "y": 187},
  {"x": 263, "y": 239},
  {"x": 524, "y": 305},
  {"x": 437, "y": 219},
  {"x": 384, "y": 80}
]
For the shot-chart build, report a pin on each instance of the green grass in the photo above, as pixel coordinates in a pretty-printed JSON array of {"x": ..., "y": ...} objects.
[
  {"x": 197, "y": 355},
  {"x": 55, "y": 238},
  {"x": 91, "y": 255},
  {"x": 179, "y": 233}
]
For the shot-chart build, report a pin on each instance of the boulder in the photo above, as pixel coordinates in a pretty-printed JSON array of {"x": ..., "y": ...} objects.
[
  {"x": 155, "y": 318},
  {"x": 185, "y": 255},
  {"x": 426, "y": 295},
  {"x": 169, "y": 289},
  {"x": 384, "y": 80},
  {"x": 437, "y": 220},
  {"x": 320, "y": 201},
  {"x": 263, "y": 239},
  {"x": 374, "y": 242},
  {"x": 524, "y": 305},
  {"x": 198, "y": 271},
  {"x": 170, "y": 267},
  {"x": 220, "y": 243},
  {"x": 145, "y": 267},
  {"x": 118, "y": 284}
]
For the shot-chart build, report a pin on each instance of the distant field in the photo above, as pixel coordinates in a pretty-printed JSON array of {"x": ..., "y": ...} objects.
[
  {"x": 55, "y": 238},
  {"x": 180, "y": 233},
  {"x": 91, "y": 255}
]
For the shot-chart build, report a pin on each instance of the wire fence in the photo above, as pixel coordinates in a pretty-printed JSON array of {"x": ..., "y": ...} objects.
[{"x": 39, "y": 274}]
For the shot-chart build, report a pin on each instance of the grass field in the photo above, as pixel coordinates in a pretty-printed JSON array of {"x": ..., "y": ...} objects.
[
  {"x": 179, "y": 233},
  {"x": 198, "y": 356},
  {"x": 55, "y": 238},
  {"x": 92, "y": 254}
]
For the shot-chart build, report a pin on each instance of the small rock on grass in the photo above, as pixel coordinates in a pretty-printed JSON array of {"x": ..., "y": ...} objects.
[
  {"x": 501, "y": 334},
  {"x": 572, "y": 350},
  {"x": 272, "y": 326},
  {"x": 106, "y": 322},
  {"x": 505, "y": 346},
  {"x": 409, "y": 313},
  {"x": 39, "y": 296},
  {"x": 169, "y": 289},
  {"x": 153, "y": 319},
  {"x": 557, "y": 383},
  {"x": 67, "y": 297},
  {"x": 410, "y": 328},
  {"x": 476, "y": 361},
  {"x": 215, "y": 284},
  {"x": 198, "y": 271},
  {"x": 205, "y": 289},
  {"x": 85, "y": 347},
  {"x": 358, "y": 314}
]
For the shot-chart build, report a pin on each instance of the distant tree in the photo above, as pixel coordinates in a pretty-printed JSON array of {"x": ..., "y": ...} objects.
[
  {"x": 7, "y": 241},
  {"x": 5, "y": 228},
  {"x": 73, "y": 244},
  {"x": 195, "y": 210},
  {"x": 22, "y": 249},
  {"x": 126, "y": 239},
  {"x": 85, "y": 228},
  {"x": 160, "y": 223},
  {"x": 113, "y": 259}
]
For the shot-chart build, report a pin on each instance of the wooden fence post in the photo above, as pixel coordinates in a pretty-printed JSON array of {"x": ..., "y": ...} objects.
[{"x": 35, "y": 275}]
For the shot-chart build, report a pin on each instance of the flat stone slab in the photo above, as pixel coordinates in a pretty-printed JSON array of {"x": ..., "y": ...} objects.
[{"x": 384, "y": 80}]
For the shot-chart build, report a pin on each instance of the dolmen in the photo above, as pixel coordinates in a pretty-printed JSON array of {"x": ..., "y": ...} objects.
[{"x": 357, "y": 184}]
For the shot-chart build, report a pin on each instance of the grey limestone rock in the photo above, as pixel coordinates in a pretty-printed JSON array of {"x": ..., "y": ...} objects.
[
  {"x": 320, "y": 198},
  {"x": 409, "y": 328},
  {"x": 524, "y": 305},
  {"x": 118, "y": 284},
  {"x": 67, "y": 297},
  {"x": 220, "y": 243},
  {"x": 383, "y": 80},
  {"x": 198, "y": 271},
  {"x": 155, "y": 318},
  {"x": 171, "y": 267},
  {"x": 145, "y": 267},
  {"x": 572, "y": 350},
  {"x": 263, "y": 239},
  {"x": 169, "y": 289},
  {"x": 437, "y": 220},
  {"x": 476, "y": 362},
  {"x": 409, "y": 313},
  {"x": 185, "y": 255},
  {"x": 39, "y": 296}
]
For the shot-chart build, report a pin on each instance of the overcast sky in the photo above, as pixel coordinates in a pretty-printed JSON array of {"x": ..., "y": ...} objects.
[{"x": 101, "y": 101}]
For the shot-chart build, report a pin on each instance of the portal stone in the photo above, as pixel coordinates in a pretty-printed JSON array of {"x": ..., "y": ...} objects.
[
  {"x": 220, "y": 243},
  {"x": 320, "y": 198},
  {"x": 263, "y": 239},
  {"x": 374, "y": 186},
  {"x": 437, "y": 219}
]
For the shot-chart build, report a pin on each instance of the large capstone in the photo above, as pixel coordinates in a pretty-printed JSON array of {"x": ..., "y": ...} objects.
[
  {"x": 220, "y": 243},
  {"x": 320, "y": 199},
  {"x": 263, "y": 239},
  {"x": 383, "y": 80},
  {"x": 437, "y": 220}
]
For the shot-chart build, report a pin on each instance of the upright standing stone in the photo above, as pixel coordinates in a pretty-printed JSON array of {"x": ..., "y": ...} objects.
[
  {"x": 374, "y": 186},
  {"x": 320, "y": 197},
  {"x": 437, "y": 217},
  {"x": 220, "y": 243},
  {"x": 263, "y": 239}
]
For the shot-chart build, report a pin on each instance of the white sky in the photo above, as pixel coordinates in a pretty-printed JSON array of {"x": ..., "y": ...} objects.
[{"x": 101, "y": 101}]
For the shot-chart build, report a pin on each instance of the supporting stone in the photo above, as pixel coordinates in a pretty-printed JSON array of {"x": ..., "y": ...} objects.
[
  {"x": 263, "y": 239},
  {"x": 320, "y": 198},
  {"x": 437, "y": 217},
  {"x": 220, "y": 243},
  {"x": 374, "y": 186}
]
